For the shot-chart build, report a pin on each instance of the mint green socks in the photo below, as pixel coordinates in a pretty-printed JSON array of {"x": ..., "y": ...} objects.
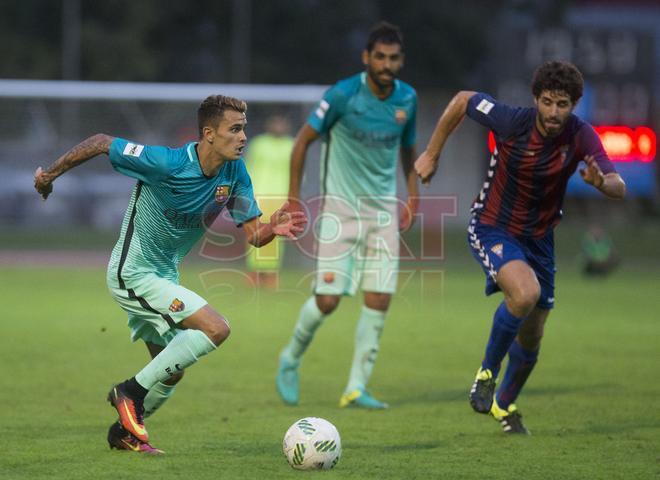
[
  {"x": 157, "y": 396},
  {"x": 309, "y": 320},
  {"x": 184, "y": 350},
  {"x": 367, "y": 336}
]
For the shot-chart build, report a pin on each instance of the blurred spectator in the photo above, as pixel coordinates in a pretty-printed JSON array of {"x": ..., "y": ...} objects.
[
  {"x": 267, "y": 160},
  {"x": 599, "y": 257}
]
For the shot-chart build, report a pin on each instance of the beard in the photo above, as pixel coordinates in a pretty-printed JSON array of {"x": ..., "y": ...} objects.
[
  {"x": 552, "y": 126},
  {"x": 382, "y": 78}
]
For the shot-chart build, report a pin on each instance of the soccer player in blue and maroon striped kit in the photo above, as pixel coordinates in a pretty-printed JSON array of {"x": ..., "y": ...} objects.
[{"x": 513, "y": 217}]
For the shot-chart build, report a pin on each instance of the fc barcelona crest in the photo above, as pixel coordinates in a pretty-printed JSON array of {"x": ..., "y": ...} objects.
[
  {"x": 177, "y": 306},
  {"x": 222, "y": 193},
  {"x": 400, "y": 115}
]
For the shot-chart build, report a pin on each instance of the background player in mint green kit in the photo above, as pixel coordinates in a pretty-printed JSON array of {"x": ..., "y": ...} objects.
[
  {"x": 179, "y": 192},
  {"x": 366, "y": 121}
]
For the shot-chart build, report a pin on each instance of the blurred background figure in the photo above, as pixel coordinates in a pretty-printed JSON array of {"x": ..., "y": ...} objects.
[
  {"x": 268, "y": 158},
  {"x": 598, "y": 253}
]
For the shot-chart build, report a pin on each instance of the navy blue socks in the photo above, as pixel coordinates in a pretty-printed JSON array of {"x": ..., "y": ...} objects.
[
  {"x": 521, "y": 364},
  {"x": 504, "y": 331}
]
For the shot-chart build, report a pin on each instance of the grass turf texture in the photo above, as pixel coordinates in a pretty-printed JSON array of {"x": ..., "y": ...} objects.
[{"x": 591, "y": 403}]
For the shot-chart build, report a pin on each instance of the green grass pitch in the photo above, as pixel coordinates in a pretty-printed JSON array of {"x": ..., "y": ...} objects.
[{"x": 592, "y": 403}]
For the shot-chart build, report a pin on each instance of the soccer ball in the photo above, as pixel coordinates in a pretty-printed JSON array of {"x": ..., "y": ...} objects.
[{"x": 312, "y": 443}]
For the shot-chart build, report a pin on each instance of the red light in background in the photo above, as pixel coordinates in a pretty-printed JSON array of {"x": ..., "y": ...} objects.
[
  {"x": 646, "y": 143},
  {"x": 622, "y": 144},
  {"x": 617, "y": 141}
]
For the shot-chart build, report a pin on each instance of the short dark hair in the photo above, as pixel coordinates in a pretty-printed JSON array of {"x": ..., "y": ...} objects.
[
  {"x": 386, "y": 33},
  {"x": 558, "y": 76},
  {"x": 213, "y": 107}
]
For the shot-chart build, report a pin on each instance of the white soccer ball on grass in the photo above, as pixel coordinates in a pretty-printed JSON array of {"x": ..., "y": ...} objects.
[{"x": 312, "y": 443}]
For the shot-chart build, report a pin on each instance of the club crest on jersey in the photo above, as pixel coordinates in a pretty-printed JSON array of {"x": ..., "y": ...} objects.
[
  {"x": 222, "y": 193},
  {"x": 177, "y": 306},
  {"x": 400, "y": 115},
  {"x": 497, "y": 249},
  {"x": 328, "y": 277}
]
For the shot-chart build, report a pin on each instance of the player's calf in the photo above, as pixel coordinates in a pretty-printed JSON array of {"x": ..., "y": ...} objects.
[{"x": 175, "y": 378}]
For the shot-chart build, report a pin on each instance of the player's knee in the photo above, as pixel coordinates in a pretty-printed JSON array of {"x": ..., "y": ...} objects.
[
  {"x": 327, "y": 303},
  {"x": 378, "y": 301},
  {"x": 524, "y": 299},
  {"x": 218, "y": 331}
]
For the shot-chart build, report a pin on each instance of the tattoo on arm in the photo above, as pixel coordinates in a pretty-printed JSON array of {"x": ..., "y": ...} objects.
[{"x": 89, "y": 148}]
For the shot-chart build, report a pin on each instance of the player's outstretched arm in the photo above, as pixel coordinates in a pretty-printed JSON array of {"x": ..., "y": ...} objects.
[
  {"x": 89, "y": 148},
  {"x": 427, "y": 163},
  {"x": 611, "y": 184},
  {"x": 283, "y": 223},
  {"x": 305, "y": 137}
]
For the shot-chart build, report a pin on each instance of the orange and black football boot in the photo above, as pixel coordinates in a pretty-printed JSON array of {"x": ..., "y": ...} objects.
[
  {"x": 120, "y": 439},
  {"x": 130, "y": 410}
]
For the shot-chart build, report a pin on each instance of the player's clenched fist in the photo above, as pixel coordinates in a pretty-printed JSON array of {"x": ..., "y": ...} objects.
[
  {"x": 425, "y": 167},
  {"x": 43, "y": 183}
]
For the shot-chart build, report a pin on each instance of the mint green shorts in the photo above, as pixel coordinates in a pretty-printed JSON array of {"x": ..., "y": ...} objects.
[
  {"x": 356, "y": 251},
  {"x": 155, "y": 306}
]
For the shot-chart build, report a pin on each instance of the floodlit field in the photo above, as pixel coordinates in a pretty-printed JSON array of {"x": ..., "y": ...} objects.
[{"x": 592, "y": 404}]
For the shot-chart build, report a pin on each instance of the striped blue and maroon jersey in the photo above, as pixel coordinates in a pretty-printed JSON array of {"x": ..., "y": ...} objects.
[{"x": 524, "y": 190}]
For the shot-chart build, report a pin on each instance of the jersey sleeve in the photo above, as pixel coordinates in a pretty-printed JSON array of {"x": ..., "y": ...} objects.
[
  {"x": 499, "y": 117},
  {"x": 409, "y": 136},
  {"x": 589, "y": 143},
  {"x": 331, "y": 107},
  {"x": 150, "y": 164},
  {"x": 242, "y": 205}
]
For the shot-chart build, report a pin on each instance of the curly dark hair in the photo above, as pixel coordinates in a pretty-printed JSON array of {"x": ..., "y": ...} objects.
[
  {"x": 386, "y": 33},
  {"x": 558, "y": 76},
  {"x": 213, "y": 107}
]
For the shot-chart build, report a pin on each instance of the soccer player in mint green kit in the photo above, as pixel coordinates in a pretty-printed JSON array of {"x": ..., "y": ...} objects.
[
  {"x": 366, "y": 121},
  {"x": 178, "y": 194}
]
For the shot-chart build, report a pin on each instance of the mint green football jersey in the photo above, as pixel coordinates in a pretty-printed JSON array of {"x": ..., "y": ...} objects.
[
  {"x": 362, "y": 135},
  {"x": 171, "y": 206}
]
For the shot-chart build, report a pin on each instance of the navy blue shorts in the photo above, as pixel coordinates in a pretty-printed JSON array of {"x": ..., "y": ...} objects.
[{"x": 493, "y": 247}]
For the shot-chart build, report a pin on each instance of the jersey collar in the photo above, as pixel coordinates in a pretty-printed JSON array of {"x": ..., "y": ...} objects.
[
  {"x": 192, "y": 153},
  {"x": 192, "y": 156}
]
